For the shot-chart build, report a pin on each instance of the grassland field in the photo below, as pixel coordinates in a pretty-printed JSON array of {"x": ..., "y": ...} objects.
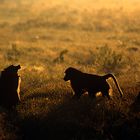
[{"x": 45, "y": 39}]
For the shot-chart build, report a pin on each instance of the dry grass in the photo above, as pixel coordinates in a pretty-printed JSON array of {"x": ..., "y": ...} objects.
[{"x": 48, "y": 41}]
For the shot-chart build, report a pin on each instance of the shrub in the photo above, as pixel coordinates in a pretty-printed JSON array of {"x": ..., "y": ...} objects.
[
  {"x": 60, "y": 58},
  {"x": 13, "y": 53},
  {"x": 108, "y": 60}
]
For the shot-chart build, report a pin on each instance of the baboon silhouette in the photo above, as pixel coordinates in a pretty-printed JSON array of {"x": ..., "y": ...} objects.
[
  {"x": 10, "y": 86},
  {"x": 82, "y": 82}
]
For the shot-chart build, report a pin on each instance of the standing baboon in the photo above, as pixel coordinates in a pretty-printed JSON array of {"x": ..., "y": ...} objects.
[
  {"x": 82, "y": 82},
  {"x": 10, "y": 86}
]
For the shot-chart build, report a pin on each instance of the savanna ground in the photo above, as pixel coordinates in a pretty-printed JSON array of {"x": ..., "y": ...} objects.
[{"x": 45, "y": 39}]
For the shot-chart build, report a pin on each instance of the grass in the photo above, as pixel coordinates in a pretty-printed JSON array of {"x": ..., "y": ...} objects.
[{"x": 48, "y": 41}]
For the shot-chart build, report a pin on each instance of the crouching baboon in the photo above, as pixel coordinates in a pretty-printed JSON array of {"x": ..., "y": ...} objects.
[
  {"x": 10, "y": 86},
  {"x": 83, "y": 82}
]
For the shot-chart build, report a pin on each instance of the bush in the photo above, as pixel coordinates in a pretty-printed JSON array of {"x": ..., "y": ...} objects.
[
  {"x": 13, "y": 53},
  {"x": 108, "y": 60}
]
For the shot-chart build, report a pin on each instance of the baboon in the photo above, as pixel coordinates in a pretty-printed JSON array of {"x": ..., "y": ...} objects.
[
  {"x": 10, "y": 86},
  {"x": 83, "y": 82}
]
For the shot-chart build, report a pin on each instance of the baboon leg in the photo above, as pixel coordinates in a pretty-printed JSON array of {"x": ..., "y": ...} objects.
[
  {"x": 77, "y": 94},
  {"x": 106, "y": 93},
  {"x": 91, "y": 94},
  {"x": 105, "y": 90}
]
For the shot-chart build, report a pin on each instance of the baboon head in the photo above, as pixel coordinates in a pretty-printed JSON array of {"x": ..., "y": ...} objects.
[
  {"x": 71, "y": 73},
  {"x": 12, "y": 69}
]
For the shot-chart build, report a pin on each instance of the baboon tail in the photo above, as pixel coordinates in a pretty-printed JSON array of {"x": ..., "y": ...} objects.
[{"x": 116, "y": 82}]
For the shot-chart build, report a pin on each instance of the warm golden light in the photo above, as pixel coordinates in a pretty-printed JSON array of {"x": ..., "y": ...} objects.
[{"x": 127, "y": 4}]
